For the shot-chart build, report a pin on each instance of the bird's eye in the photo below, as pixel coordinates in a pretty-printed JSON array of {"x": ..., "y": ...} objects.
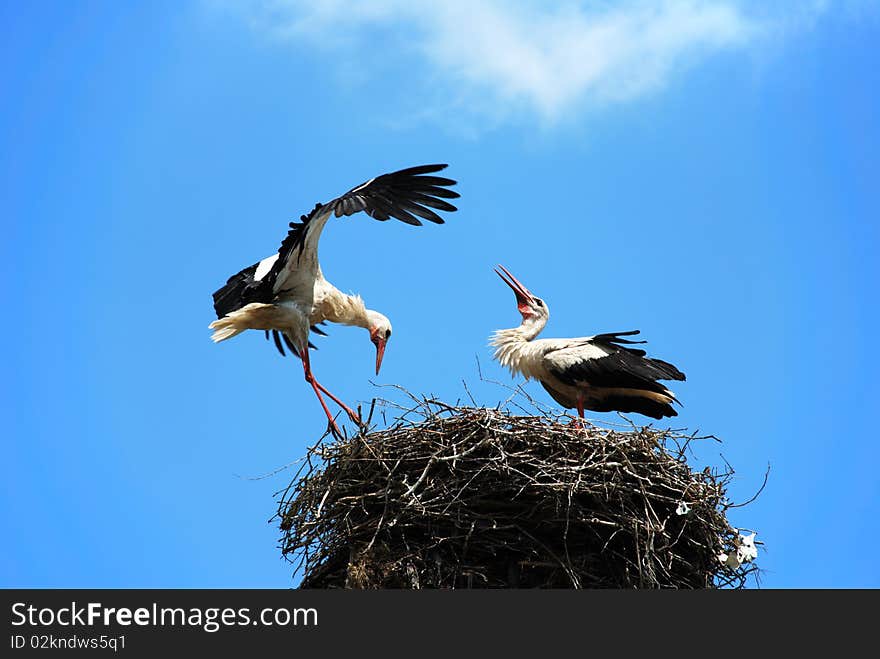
[
  {"x": 387, "y": 334},
  {"x": 539, "y": 302}
]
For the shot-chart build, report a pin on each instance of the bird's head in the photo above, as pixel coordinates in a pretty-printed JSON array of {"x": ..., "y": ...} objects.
[
  {"x": 380, "y": 332},
  {"x": 531, "y": 307}
]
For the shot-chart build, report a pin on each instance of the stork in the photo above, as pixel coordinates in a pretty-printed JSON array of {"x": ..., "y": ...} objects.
[
  {"x": 598, "y": 373},
  {"x": 286, "y": 293}
]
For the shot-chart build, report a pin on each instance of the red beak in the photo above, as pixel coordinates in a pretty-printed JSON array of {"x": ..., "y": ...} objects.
[
  {"x": 380, "y": 353},
  {"x": 523, "y": 297}
]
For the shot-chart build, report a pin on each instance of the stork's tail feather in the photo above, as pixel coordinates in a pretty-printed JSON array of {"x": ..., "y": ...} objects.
[
  {"x": 248, "y": 317},
  {"x": 225, "y": 328}
]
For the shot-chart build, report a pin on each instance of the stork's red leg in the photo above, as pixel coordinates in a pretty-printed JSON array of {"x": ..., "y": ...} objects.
[
  {"x": 318, "y": 387},
  {"x": 307, "y": 368},
  {"x": 579, "y": 423},
  {"x": 351, "y": 413}
]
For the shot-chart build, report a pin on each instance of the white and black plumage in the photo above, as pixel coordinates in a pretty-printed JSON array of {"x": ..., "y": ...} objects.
[
  {"x": 599, "y": 373},
  {"x": 286, "y": 294}
]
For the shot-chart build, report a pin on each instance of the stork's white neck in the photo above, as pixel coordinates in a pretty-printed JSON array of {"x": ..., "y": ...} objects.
[
  {"x": 346, "y": 309},
  {"x": 514, "y": 350},
  {"x": 337, "y": 307}
]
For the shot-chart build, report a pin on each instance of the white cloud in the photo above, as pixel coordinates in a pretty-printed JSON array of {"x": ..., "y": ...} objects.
[{"x": 544, "y": 59}]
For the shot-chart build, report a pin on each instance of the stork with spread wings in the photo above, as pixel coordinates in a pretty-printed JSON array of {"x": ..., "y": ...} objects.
[{"x": 286, "y": 294}]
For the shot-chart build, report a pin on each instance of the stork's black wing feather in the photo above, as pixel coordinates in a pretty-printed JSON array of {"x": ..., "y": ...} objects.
[
  {"x": 277, "y": 337},
  {"x": 405, "y": 195},
  {"x": 621, "y": 367},
  {"x": 240, "y": 289}
]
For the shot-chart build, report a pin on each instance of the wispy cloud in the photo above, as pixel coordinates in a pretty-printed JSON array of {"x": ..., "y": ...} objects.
[{"x": 547, "y": 60}]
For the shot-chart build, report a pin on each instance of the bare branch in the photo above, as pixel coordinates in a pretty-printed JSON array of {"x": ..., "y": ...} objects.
[{"x": 463, "y": 496}]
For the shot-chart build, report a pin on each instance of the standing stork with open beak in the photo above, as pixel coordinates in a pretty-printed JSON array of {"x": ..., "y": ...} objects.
[
  {"x": 598, "y": 373},
  {"x": 286, "y": 294}
]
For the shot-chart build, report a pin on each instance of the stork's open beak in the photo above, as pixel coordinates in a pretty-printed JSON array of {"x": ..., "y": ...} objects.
[
  {"x": 523, "y": 297},
  {"x": 380, "y": 353}
]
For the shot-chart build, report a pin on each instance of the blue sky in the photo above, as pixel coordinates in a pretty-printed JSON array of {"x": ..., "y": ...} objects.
[{"x": 705, "y": 171}]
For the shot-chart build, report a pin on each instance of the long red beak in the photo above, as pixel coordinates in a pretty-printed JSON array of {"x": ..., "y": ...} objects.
[
  {"x": 380, "y": 353},
  {"x": 523, "y": 296}
]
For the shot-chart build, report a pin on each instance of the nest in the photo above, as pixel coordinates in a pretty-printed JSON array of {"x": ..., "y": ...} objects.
[{"x": 472, "y": 497}]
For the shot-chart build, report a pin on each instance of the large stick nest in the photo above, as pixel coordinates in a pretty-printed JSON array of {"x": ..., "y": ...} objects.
[{"x": 452, "y": 497}]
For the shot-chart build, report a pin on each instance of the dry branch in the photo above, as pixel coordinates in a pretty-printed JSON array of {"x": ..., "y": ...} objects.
[{"x": 452, "y": 497}]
